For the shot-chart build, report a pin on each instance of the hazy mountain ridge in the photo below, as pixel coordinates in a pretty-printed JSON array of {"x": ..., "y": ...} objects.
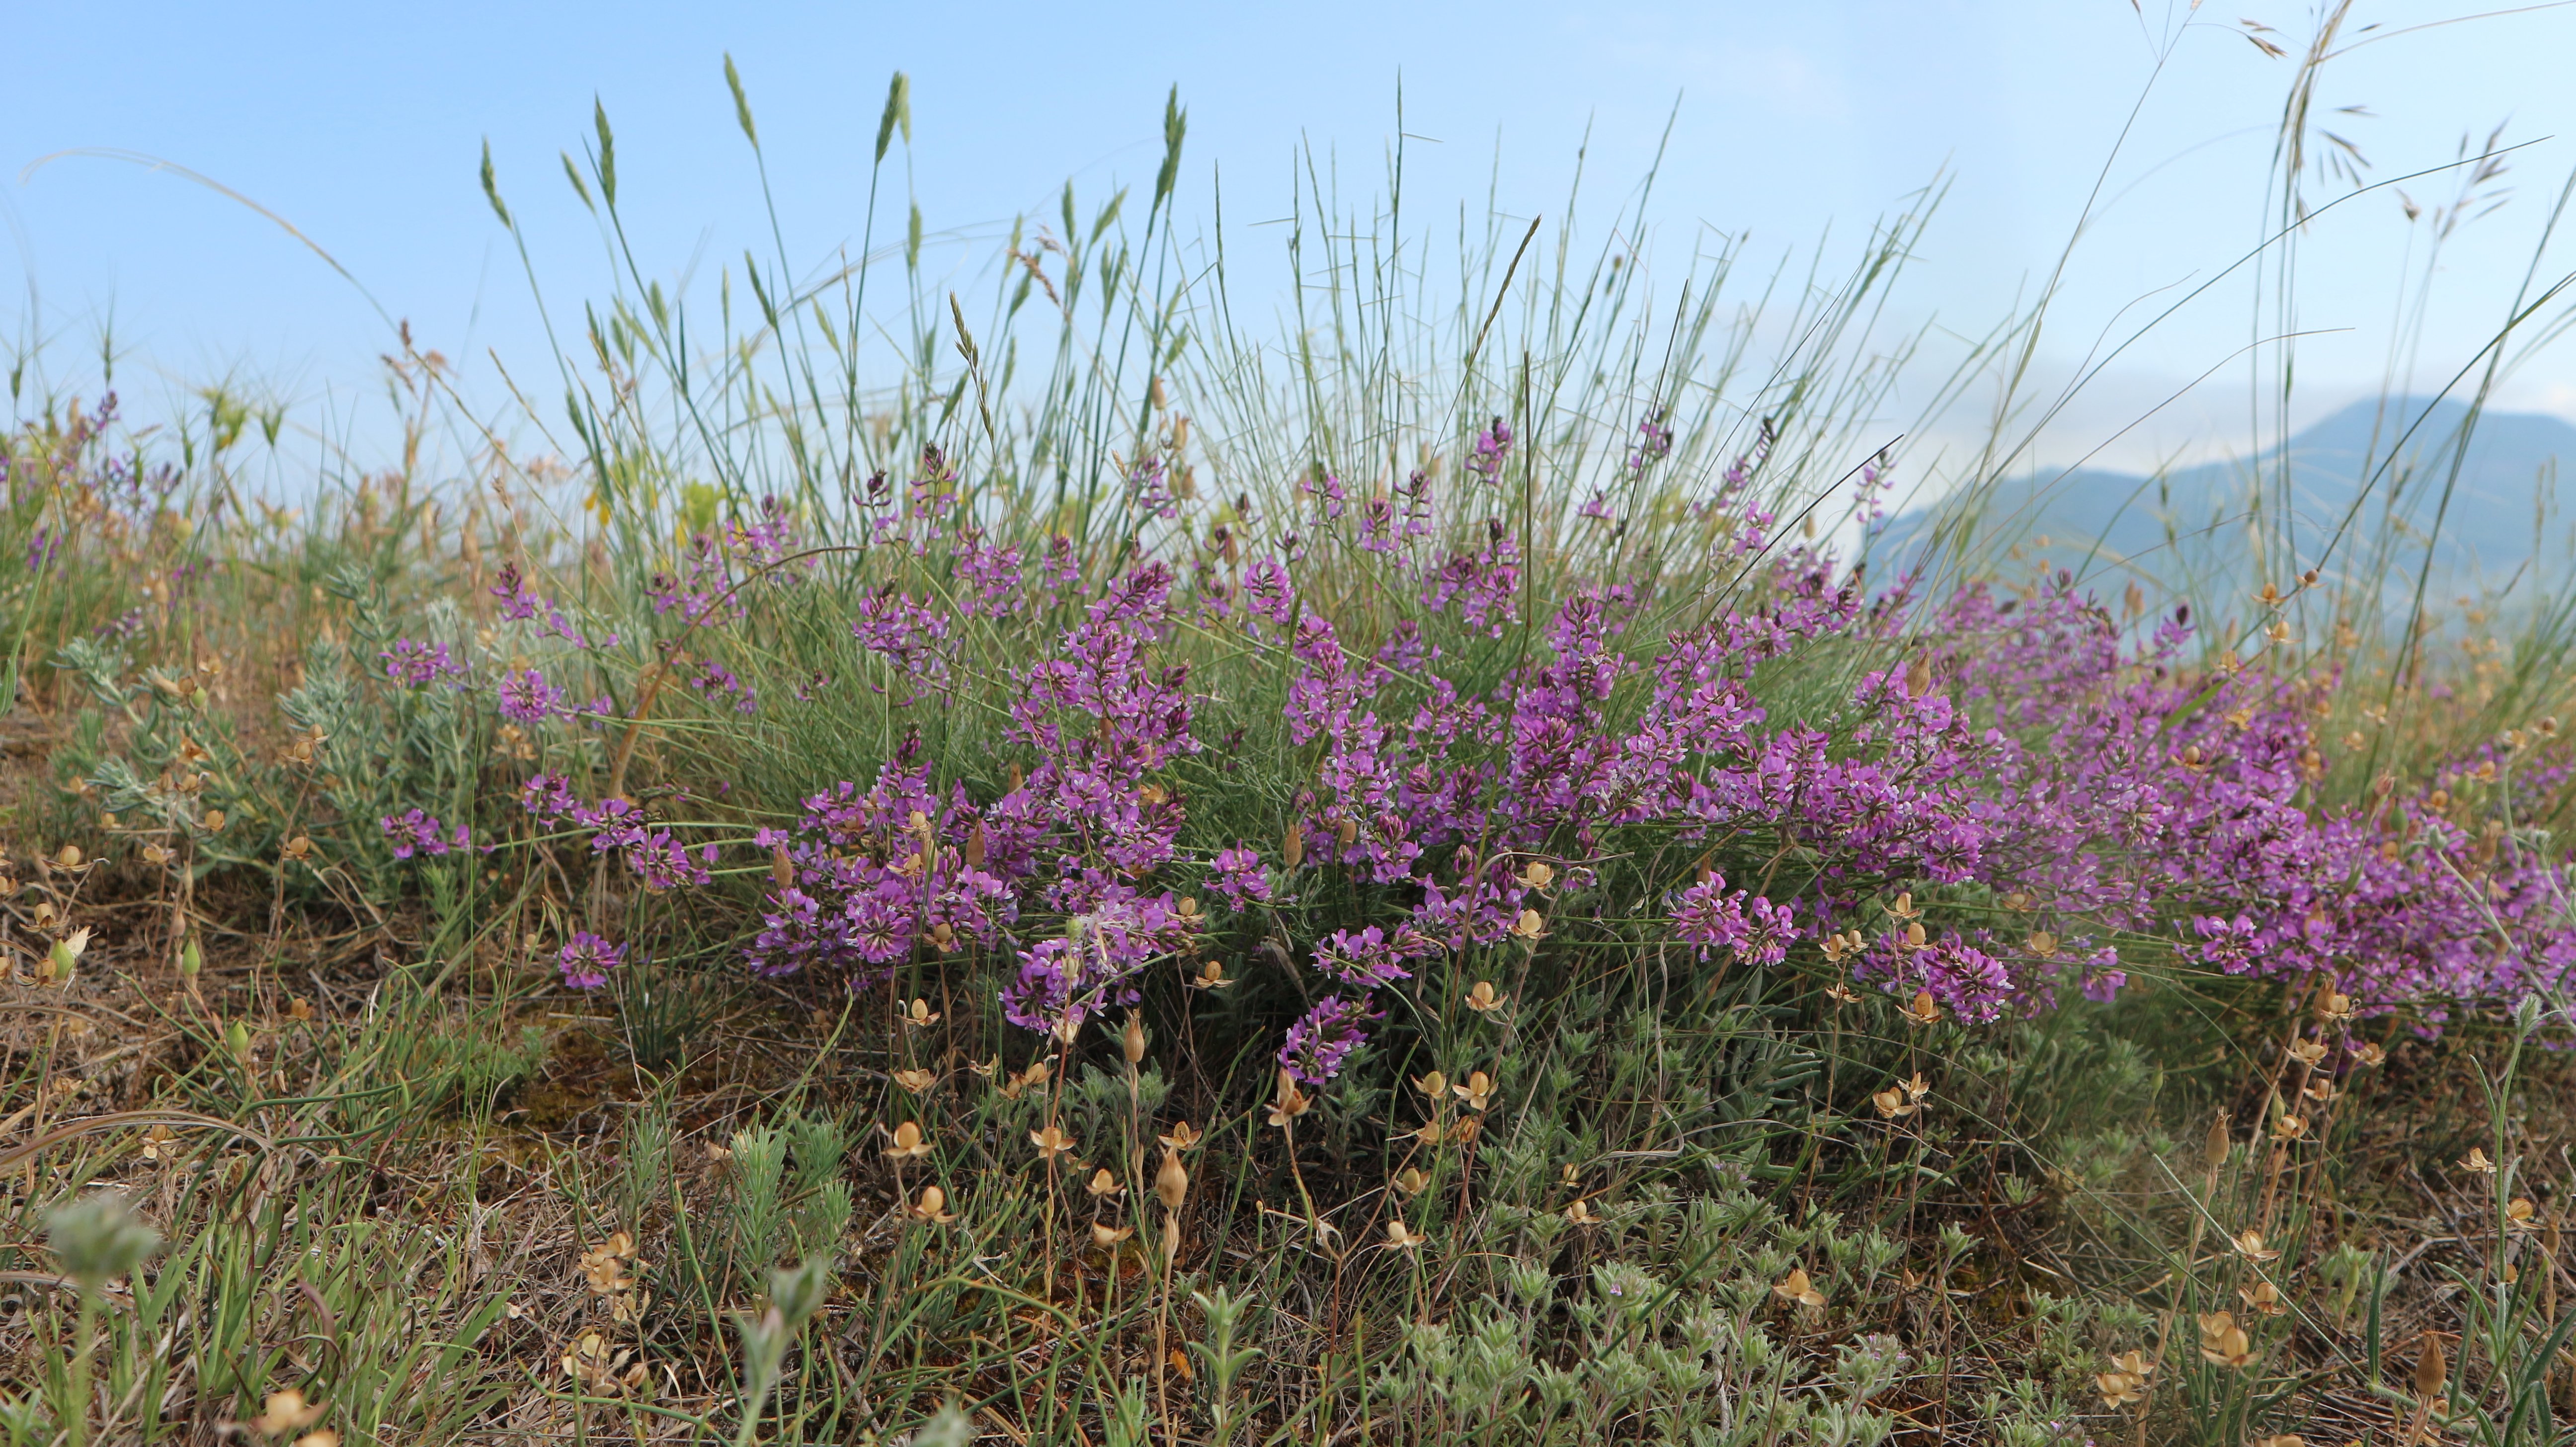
[{"x": 2502, "y": 523}]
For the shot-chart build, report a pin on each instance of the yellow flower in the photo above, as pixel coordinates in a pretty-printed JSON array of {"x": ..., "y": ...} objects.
[
  {"x": 920, "y": 1015},
  {"x": 1291, "y": 1102},
  {"x": 1106, "y": 1236},
  {"x": 1482, "y": 998},
  {"x": 287, "y": 1411},
  {"x": 908, "y": 1144},
  {"x": 1051, "y": 1142},
  {"x": 1211, "y": 976},
  {"x": 1892, "y": 1103},
  {"x": 2477, "y": 1161},
  {"x": 1477, "y": 1091},
  {"x": 1539, "y": 874},
  {"x": 1434, "y": 1084},
  {"x": 1924, "y": 1010},
  {"x": 2263, "y": 1299},
  {"x": 1181, "y": 1138},
  {"x": 2223, "y": 1342},
  {"x": 2519, "y": 1214},
  {"x": 1580, "y": 1214},
  {"x": 1904, "y": 907},
  {"x": 604, "y": 1266},
  {"x": 1103, "y": 1184},
  {"x": 916, "y": 1081},
  {"x": 1798, "y": 1290},
  {"x": 323, "y": 1438},
  {"x": 2119, "y": 1389},
  {"x": 1402, "y": 1237},
  {"x": 2309, "y": 1052},
  {"x": 2250, "y": 1246},
  {"x": 2371, "y": 1054},
  {"x": 1411, "y": 1181},
  {"x": 931, "y": 1206},
  {"x": 595, "y": 1366},
  {"x": 1530, "y": 926}
]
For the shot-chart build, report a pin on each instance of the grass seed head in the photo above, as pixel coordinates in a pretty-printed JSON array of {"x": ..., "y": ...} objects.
[{"x": 97, "y": 1239}]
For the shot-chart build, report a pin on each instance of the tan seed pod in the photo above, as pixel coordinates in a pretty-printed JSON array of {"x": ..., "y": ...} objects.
[
  {"x": 1172, "y": 1182},
  {"x": 2432, "y": 1368},
  {"x": 2213, "y": 1147}
]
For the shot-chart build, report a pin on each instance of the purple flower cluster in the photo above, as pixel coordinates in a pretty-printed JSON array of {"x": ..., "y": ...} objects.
[
  {"x": 414, "y": 664},
  {"x": 871, "y": 876},
  {"x": 416, "y": 832},
  {"x": 526, "y": 697},
  {"x": 587, "y": 960},
  {"x": 1999, "y": 793},
  {"x": 1320, "y": 1041}
]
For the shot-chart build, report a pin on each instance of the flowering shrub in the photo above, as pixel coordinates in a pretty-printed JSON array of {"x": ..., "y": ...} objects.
[{"x": 2005, "y": 798}]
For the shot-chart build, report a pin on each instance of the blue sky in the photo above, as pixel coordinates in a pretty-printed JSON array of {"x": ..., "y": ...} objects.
[{"x": 362, "y": 126}]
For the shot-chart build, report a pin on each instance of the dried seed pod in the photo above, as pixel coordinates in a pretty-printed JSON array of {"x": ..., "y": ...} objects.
[
  {"x": 1172, "y": 1182},
  {"x": 2432, "y": 1368}
]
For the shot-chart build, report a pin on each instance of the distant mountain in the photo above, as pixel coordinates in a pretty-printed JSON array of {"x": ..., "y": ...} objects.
[{"x": 2203, "y": 523}]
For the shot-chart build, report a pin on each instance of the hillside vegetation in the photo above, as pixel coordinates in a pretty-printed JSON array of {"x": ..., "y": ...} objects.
[{"x": 1111, "y": 874}]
